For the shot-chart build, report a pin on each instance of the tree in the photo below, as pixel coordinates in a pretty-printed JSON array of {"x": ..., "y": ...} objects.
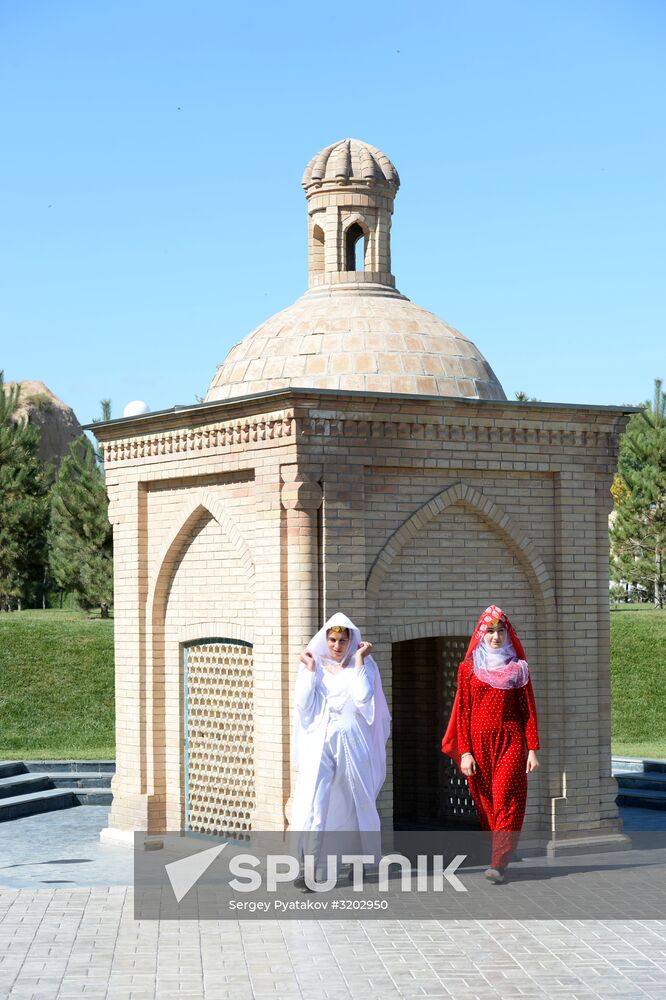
[
  {"x": 80, "y": 536},
  {"x": 522, "y": 397},
  {"x": 638, "y": 529},
  {"x": 105, "y": 406},
  {"x": 23, "y": 505}
]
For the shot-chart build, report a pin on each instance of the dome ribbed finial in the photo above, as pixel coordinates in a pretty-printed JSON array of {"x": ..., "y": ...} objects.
[
  {"x": 350, "y": 188},
  {"x": 348, "y": 161}
]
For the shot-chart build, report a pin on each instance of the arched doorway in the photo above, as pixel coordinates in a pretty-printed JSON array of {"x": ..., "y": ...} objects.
[
  {"x": 428, "y": 791},
  {"x": 219, "y": 736}
]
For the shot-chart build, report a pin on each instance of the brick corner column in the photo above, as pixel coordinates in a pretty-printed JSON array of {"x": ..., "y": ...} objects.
[
  {"x": 133, "y": 808},
  {"x": 301, "y": 498}
]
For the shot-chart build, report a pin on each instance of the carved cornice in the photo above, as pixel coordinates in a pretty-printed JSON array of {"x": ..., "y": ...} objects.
[
  {"x": 189, "y": 440},
  {"x": 304, "y": 424},
  {"x": 469, "y": 431}
]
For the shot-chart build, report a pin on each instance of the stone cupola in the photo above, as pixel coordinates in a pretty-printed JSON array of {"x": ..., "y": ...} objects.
[
  {"x": 352, "y": 329},
  {"x": 350, "y": 187}
]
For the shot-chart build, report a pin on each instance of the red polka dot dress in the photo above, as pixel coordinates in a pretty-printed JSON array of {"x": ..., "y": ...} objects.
[{"x": 497, "y": 725}]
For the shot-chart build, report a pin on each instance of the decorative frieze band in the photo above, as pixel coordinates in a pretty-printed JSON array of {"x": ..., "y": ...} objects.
[
  {"x": 471, "y": 433},
  {"x": 281, "y": 425},
  {"x": 193, "y": 439}
]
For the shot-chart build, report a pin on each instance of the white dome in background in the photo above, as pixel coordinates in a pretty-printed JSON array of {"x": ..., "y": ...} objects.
[{"x": 136, "y": 408}]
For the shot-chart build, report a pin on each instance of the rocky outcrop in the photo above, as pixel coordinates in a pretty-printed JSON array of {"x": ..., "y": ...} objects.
[{"x": 56, "y": 421}]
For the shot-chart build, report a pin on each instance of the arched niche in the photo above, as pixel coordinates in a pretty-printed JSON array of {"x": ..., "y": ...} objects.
[
  {"x": 448, "y": 560},
  {"x": 318, "y": 249},
  {"x": 205, "y": 566},
  {"x": 355, "y": 246}
]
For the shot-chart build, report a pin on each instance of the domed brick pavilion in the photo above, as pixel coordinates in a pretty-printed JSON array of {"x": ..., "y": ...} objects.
[{"x": 354, "y": 453}]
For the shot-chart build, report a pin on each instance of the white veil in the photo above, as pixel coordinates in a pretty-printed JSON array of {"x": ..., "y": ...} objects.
[
  {"x": 318, "y": 645},
  {"x": 375, "y": 714},
  {"x": 501, "y": 668}
]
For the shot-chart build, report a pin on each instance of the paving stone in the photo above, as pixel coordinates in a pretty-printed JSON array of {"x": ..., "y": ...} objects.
[{"x": 84, "y": 942}]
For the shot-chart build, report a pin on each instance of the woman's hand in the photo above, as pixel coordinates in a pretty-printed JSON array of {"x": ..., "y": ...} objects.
[
  {"x": 532, "y": 762},
  {"x": 364, "y": 649},
  {"x": 468, "y": 765},
  {"x": 308, "y": 659}
]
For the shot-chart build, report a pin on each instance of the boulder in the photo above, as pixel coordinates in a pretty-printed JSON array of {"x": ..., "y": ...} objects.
[{"x": 56, "y": 421}]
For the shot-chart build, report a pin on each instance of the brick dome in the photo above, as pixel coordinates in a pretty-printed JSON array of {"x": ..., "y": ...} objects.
[{"x": 376, "y": 343}]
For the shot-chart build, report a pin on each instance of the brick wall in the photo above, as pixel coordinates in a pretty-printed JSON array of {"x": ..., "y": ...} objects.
[{"x": 427, "y": 511}]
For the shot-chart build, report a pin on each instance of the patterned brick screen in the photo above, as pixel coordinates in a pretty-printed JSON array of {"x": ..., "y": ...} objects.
[
  {"x": 455, "y": 802},
  {"x": 219, "y": 736},
  {"x": 428, "y": 791}
]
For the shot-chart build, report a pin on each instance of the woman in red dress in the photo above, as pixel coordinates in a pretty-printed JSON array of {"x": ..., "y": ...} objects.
[{"x": 492, "y": 735}]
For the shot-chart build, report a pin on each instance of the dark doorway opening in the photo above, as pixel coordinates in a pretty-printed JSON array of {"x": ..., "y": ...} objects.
[{"x": 428, "y": 791}]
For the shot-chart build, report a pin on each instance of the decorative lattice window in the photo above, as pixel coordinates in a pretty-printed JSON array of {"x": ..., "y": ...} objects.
[
  {"x": 428, "y": 791},
  {"x": 455, "y": 803},
  {"x": 219, "y": 737}
]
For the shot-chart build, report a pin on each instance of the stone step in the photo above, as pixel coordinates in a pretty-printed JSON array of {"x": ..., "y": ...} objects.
[
  {"x": 621, "y": 765},
  {"x": 92, "y": 796},
  {"x": 23, "y": 784},
  {"x": 36, "y": 802},
  {"x": 10, "y": 767},
  {"x": 76, "y": 766},
  {"x": 642, "y": 798},
  {"x": 653, "y": 780},
  {"x": 657, "y": 766},
  {"x": 89, "y": 779},
  {"x": 37, "y": 786}
]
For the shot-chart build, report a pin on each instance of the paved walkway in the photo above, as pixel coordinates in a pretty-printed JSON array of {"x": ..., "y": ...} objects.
[
  {"x": 79, "y": 939},
  {"x": 62, "y": 849}
]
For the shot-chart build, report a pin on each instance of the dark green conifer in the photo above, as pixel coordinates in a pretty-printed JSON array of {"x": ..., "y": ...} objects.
[
  {"x": 638, "y": 530},
  {"x": 23, "y": 506},
  {"x": 80, "y": 536}
]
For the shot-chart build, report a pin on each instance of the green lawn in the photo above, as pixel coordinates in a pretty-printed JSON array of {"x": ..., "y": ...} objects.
[
  {"x": 56, "y": 685},
  {"x": 638, "y": 680}
]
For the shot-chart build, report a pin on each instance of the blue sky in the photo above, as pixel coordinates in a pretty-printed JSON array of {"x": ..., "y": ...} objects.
[{"x": 152, "y": 214}]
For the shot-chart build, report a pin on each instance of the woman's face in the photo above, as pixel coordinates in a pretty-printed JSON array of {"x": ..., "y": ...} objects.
[
  {"x": 337, "y": 643},
  {"x": 495, "y": 635}
]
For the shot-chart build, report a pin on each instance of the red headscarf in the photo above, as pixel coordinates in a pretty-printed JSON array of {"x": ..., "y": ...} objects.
[
  {"x": 491, "y": 616},
  {"x": 494, "y": 616}
]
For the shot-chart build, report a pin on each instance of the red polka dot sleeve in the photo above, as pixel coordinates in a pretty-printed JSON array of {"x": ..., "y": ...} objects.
[
  {"x": 529, "y": 716},
  {"x": 464, "y": 709}
]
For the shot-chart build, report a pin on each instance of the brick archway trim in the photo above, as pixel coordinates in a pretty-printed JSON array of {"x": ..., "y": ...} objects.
[
  {"x": 197, "y": 631},
  {"x": 501, "y": 522},
  {"x": 202, "y": 503}
]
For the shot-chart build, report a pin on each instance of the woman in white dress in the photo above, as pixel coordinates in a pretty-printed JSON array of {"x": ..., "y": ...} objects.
[{"x": 341, "y": 725}]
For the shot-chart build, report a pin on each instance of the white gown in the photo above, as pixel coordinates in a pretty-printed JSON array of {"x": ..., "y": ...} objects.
[{"x": 341, "y": 724}]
